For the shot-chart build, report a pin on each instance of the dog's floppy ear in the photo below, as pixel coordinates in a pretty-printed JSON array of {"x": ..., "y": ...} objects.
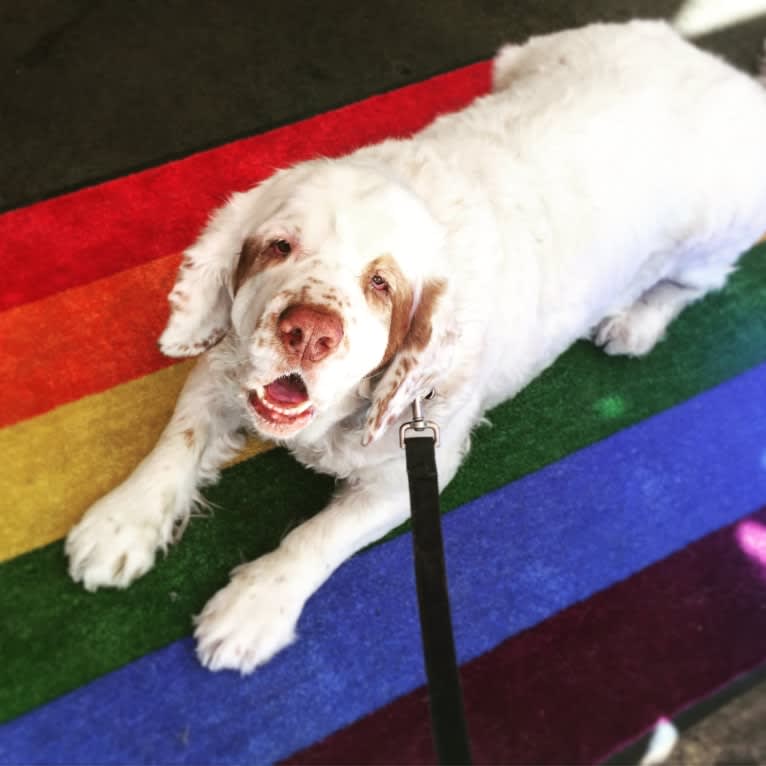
[
  {"x": 423, "y": 357},
  {"x": 201, "y": 298}
]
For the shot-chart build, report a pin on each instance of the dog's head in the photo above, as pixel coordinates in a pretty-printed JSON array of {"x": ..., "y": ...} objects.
[{"x": 324, "y": 277}]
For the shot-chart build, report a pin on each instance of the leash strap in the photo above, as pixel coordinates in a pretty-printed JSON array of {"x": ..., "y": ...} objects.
[{"x": 446, "y": 700}]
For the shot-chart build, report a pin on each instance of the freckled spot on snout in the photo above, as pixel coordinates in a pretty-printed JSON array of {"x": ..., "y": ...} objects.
[
  {"x": 332, "y": 298},
  {"x": 189, "y": 437}
]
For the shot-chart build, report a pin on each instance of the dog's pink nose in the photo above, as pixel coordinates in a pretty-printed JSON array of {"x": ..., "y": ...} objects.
[{"x": 308, "y": 333}]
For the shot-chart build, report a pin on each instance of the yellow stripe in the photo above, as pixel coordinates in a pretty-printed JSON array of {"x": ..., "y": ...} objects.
[{"x": 57, "y": 464}]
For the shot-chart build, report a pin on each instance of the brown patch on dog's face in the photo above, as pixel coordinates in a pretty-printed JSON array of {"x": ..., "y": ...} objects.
[
  {"x": 421, "y": 328},
  {"x": 257, "y": 255},
  {"x": 393, "y": 302},
  {"x": 414, "y": 343}
]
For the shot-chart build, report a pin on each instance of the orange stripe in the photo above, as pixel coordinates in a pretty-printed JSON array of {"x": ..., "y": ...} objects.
[{"x": 83, "y": 340}]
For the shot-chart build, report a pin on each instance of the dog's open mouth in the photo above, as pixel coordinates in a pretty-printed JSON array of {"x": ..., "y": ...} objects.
[{"x": 284, "y": 402}]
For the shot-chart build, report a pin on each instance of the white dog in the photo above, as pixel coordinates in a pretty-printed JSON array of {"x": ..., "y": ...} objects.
[{"x": 612, "y": 177}]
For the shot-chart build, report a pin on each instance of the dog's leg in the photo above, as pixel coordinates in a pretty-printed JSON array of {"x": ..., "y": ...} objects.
[
  {"x": 117, "y": 539},
  {"x": 255, "y": 615},
  {"x": 636, "y": 330}
]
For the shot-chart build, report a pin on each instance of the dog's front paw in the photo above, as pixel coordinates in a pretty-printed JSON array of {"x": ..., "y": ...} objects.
[
  {"x": 253, "y": 617},
  {"x": 116, "y": 541}
]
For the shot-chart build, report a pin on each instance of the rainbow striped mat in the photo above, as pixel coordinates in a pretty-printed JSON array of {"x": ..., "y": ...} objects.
[{"x": 606, "y": 538}]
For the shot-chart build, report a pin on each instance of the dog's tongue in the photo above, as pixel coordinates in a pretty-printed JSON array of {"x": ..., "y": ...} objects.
[{"x": 288, "y": 389}]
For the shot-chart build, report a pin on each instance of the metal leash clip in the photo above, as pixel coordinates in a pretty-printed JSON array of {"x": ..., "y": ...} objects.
[{"x": 419, "y": 423}]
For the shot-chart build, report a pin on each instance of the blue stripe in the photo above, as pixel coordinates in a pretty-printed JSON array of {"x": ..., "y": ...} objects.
[{"x": 516, "y": 557}]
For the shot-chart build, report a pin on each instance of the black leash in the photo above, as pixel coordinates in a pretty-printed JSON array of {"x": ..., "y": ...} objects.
[{"x": 446, "y": 700}]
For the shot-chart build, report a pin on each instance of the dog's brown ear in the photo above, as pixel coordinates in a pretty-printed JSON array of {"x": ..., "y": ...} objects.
[
  {"x": 201, "y": 298},
  {"x": 423, "y": 356}
]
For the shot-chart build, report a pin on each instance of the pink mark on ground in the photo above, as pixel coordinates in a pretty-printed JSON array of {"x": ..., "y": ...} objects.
[{"x": 751, "y": 537}]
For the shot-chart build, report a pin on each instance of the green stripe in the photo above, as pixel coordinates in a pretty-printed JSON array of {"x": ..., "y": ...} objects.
[{"x": 55, "y": 637}]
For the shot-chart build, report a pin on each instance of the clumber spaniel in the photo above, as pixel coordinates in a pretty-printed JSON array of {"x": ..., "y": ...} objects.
[{"x": 612, "y": 177}]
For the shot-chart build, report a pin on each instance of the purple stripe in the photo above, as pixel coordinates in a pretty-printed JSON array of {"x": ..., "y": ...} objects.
[{"x": 597, "y": 675}]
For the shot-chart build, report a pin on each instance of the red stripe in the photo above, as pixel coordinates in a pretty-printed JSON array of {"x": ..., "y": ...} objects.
[
  {"x": 80, "y": 237},
  {"x": 595, "y": 676}
]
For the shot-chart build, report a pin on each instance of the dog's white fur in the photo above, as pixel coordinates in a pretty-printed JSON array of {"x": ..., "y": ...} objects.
[{"x": 612, "y": 177}]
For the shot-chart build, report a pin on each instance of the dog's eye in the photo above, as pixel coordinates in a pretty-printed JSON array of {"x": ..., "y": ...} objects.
[
  {"x": 281, "y": 247},
  {"x": 378, "y": 283}
]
